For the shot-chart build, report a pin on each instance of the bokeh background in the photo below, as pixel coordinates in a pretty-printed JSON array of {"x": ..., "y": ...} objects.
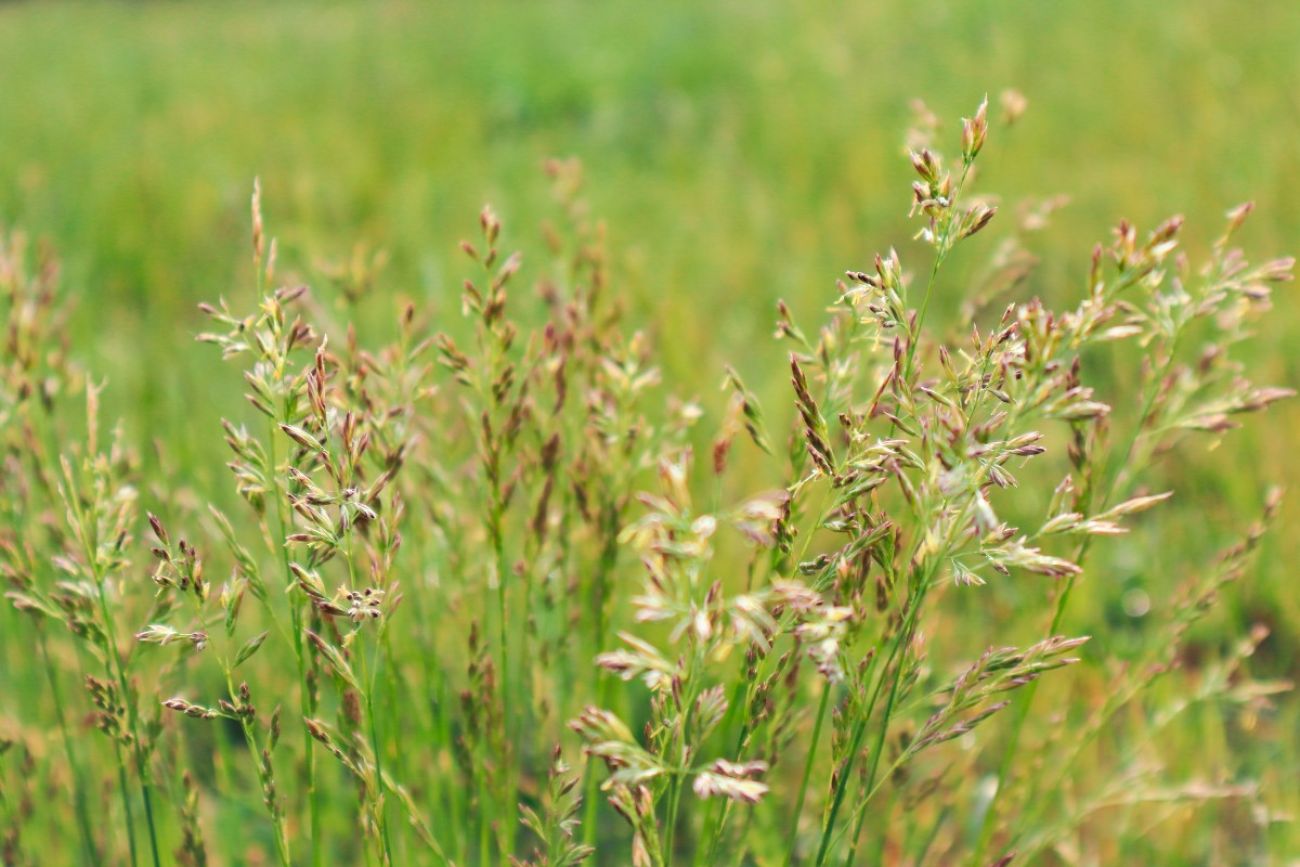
[{"x": 741, "y": 152}]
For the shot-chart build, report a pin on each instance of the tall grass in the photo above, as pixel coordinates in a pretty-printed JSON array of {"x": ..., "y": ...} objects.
[{"x": 497, "y": 594}]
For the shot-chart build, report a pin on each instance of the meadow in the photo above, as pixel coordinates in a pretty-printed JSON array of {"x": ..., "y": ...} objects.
[{"x": 329, "y": 584}]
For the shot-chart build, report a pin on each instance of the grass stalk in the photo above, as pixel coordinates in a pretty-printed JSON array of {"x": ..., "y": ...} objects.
[
  {"x": 79, "y": 787},
  {"x": 793, "y": 837}
]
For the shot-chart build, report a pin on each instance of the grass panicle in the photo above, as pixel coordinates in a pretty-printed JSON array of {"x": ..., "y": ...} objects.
[{"x": 486, "y": 590}]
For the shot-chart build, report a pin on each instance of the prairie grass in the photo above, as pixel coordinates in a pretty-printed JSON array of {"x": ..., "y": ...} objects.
[
  {"x": 491, "y": 600},
  {"x": 439, "y": 555}
]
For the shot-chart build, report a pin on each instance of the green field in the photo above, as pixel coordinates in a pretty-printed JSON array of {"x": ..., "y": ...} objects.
[{"x": 740, "y": 153}]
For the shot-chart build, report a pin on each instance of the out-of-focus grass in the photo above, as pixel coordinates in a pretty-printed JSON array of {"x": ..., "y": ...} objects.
[{"x": 741, "y": 151}]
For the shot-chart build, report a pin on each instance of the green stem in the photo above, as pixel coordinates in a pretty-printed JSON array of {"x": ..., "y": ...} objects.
[
  {"x": 484, "y": 821},
  {"x": 861, "y": 821},
  {"x": 679, "y": 740},
  {"x": 380, "y": 807},
  {"x": 608, "y": 559},
  {"x": 944, "y": 248},
  {"x": 920, "y": 318},
  {"x": 114, "y": 671},
  {"x": 859, "y": 814},
  {"x": 113, "y": 661},
  {"x": 79, "y": 792},
  {"x": 295, "y": 616},
  {"x": 900, "y": 641},
  {"x": 793, "y": 836},
  {"x": 506, "y": 830},
  {"x": 125, "y": 791},
  {"x": 737, "y": 702},
  {"x": 1011, "y": 750},
  {"x": 715, "y": 818},
  {"x": 255, "y": 751},
  {"x": 670, "y": 827}
]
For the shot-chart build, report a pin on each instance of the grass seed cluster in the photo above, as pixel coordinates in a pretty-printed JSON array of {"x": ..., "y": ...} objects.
[{"x": 505, "y": 598}]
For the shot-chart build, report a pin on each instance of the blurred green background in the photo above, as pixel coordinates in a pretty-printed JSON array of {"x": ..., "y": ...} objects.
[{"x": 741, "y": 151}]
